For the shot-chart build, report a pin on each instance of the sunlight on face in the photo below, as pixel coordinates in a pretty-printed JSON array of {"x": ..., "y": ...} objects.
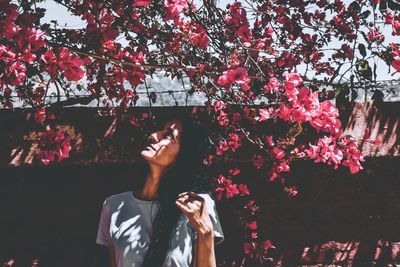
[{"x": 164, "y": 145}]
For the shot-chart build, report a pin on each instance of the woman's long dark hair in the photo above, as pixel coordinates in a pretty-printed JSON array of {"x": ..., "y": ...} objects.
[{"x": 187, "y": 174}]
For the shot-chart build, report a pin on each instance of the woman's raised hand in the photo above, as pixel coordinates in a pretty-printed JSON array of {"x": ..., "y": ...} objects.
[{"x": 194, "y": 207}]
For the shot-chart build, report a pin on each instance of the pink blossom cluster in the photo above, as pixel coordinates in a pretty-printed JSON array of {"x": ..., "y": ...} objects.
[
  {"x": 219, "y": 107},
  {"x": 232, "y": 144},
  {"x": 237, "y": 21},
  {"x": 374, "y": 35},
  {"x": 389, "y": 18},
  {"x": 346, "y": 52},
  {"x": 396, "y": 57},
  {"x": 304, "y": 106},
  {"x": 70, "y": 65},
  {"x": 173, "y": 8},
  {"x": 53, "y": 144},
  {"x": 351, "y": 154},
  {"x": 257, "y": 249},
  {"x": 326, "y": 151},
  {"x": 223, "y": 186},
  {"x": 21, "y": 48},
  {"x": 195, "y": 34},
  {"x": 235, "y": 76}
]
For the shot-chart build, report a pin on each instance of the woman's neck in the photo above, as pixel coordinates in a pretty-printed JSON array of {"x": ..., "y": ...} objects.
[{"x": 149, "y": 189}]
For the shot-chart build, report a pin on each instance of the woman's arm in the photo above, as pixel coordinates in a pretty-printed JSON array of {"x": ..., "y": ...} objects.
[
  {"x": 104, "y": 256},
  {"x": 112, "y": 257},
  {"x": 193, "y": 206},
  {"x": 204, "y": 251}
]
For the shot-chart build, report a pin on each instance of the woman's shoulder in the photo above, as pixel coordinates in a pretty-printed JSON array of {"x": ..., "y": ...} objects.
[{"x": 117, "y": 198}]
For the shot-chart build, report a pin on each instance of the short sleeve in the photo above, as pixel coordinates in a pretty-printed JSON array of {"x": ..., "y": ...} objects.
[
  {"x": 103, "y": 232},
  {"x": 212, "y": 211}
]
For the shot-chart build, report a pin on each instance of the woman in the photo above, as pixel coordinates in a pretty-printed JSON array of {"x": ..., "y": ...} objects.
[{"x": 168, "y": 220}]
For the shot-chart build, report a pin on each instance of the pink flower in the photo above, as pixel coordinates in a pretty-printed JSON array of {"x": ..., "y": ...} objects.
[
  {"x": 267, "y": 245},
  {"x": 327, "y": 119},
  {"x": 134, "y": 121},
  {"x": 238, "y": 75},
  {"x": 249, "y": 247},
  {"x": 219, "y": 105},
  {"x": 283, "y": 166},
  {"x": 70, "y": 65},
  {"x": 135, "y": 76},
  {"x": 251, "y": 225},
  {"x": 258, "y": 161},
  {"x": 49, "y": 61},
  {"x": 326, "y": 151},
  {"x": 352, "y": 155},
  {"x": 269, "y": 140},
  {"x": 237, "y": 20},
  {"x": 223, "y": 118},
  {"x": 230, "y": 189},
  {"x": 272, "y": 85},
  {"x": 292, "y": 191},
  {"x": 265, "y": 114},
  {"x": 278, "y": 153},
  {"x": 292, "y": 80},
  {"x": 9, "y": 263},
  {"x": 243, "y": 190},
  {"x": 53, "y": 144},
  {"x": 40, "y": 115},
  {"x": 234, "y": 141},
  {"x": 198, "y": 36},
  {"x": 222, "y": 147},
  {"x": 374, "y": 35},
  {"x": 234, "y": 171},
  {"x": 173, "y": 8},
  {"x": 16, "y": 74},
  {"x": 142, "y": 3}
]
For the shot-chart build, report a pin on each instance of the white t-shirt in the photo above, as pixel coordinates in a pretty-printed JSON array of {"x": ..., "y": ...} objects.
[{"x": 125, "y": 224}]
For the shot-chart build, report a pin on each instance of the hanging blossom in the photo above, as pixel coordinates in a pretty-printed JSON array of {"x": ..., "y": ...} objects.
[
  {"x": 232, "y": 144},
  {"x": 235, "y": 76},
  {"x": 326, "y": 151},
  {"x": 193, "y": 33},
  {"x": 389, "y": 18},
  {"x": 224, "y": 186},
  {"x": 69, "y": 65},
  {"x": 173, "y": 8},
  {"x": 304, "y": 106},
  {"x": 53, "y": 144},
  {"x": 396, "y": 57},
  {"x": 352, "y": 155},
  {"x": 237, "y": 20}
]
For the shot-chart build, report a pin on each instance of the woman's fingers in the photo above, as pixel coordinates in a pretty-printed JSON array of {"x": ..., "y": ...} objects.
[
  {"x": 195, "y": 196},
  {"x": 184, "y": 208},
  {"x": 190, "y": 202}
]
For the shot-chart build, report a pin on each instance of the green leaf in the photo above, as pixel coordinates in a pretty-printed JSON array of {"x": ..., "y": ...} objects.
[
  {"x": 364, "y": 70},
  {"x": 361, "y": 49},
  {"x": 364, "y": 15}
]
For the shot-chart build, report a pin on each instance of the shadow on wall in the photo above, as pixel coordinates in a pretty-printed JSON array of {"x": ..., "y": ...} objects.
[
  {"x": 376, "y": 128},
  {"x": 52, "y": 214}
]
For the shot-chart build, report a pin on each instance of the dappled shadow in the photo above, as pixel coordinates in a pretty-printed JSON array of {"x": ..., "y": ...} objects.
[{"x": 376, "y": 128}]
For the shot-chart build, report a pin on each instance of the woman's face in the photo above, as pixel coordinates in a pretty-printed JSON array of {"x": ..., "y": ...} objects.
[{"x": 164, "y": 145}]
